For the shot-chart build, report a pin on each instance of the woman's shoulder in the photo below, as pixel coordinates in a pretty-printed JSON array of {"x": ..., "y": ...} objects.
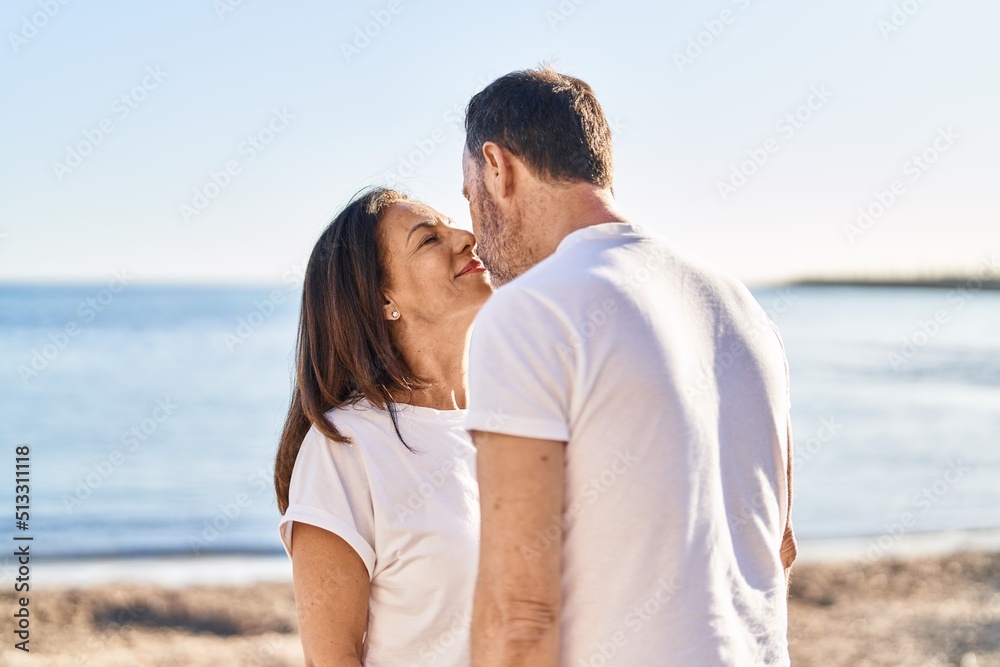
[
  {"x": 357, "y": 420},
  {"x": 324, "y": 462},
  {"x": 381, "y": 431},
  {"x": 357, "y": 413},
  {"x": 321, "y": 455}
]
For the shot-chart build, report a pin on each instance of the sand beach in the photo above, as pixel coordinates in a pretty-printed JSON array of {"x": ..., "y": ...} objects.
[{"x": 919, "y": 604}]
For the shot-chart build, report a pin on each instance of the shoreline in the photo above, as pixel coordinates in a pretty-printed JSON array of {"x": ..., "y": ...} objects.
[
  {"x": 949, "y": 282},
  {"x": 179, "y": 571},
  {"x": 871, "y": 548},
  {"x": 169, "y": 571}
]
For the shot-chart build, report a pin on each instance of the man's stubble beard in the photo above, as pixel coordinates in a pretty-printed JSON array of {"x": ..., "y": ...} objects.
[{"x": 501, "y": 246}]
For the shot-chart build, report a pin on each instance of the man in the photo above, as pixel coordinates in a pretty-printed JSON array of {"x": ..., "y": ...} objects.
[{"x": 629, "y": 404}]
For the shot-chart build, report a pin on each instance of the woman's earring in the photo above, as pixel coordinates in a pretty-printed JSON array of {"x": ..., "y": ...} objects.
[{"x": 395, "y": 314}]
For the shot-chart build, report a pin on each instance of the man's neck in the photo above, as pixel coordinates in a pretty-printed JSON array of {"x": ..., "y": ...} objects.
[{"x": 558, "y": 212}]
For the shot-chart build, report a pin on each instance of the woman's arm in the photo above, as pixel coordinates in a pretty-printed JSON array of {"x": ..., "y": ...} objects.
[{"x": 331, "y": 595}]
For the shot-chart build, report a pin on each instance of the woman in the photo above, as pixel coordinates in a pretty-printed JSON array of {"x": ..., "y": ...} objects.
[{"x": 375, "y": 473}]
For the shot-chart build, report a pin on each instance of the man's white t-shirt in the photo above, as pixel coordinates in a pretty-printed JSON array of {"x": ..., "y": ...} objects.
[
  {"x": 669, "y": 384},
  {"x": 413, "y": 517}
]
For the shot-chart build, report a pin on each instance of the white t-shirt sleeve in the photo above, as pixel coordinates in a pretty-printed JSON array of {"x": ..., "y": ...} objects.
[
  {"x": 329, "y": 489},
  {"x": 521, "y": 360}
]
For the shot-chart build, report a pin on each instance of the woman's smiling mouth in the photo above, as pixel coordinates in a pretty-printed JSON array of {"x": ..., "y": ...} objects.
[{"x": 474, "y": 266}]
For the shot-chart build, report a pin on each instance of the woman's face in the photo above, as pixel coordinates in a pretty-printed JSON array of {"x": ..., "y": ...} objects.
[{"x": 434, "y": 273}]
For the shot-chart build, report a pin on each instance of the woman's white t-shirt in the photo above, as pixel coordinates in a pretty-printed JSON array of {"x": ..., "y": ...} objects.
[{"x": 413, "y": 517}]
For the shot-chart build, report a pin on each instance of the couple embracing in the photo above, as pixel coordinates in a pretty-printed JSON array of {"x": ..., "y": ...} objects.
[{"x": 560, "y": 442}]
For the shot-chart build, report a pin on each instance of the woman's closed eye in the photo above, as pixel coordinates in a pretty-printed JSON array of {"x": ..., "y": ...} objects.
[{"x": 429, "y": 239}]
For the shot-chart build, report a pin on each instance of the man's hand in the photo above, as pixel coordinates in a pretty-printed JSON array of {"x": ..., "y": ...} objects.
[
  {"x": 789, "y": 550},
  {"x": 515, "y": 620}
]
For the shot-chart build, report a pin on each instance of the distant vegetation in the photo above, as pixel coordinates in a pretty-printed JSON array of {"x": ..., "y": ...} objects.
[{"x": 950, "y": 282}]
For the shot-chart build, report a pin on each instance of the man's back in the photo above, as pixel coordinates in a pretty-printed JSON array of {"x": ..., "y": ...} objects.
[{"x": 669, "y": 385}]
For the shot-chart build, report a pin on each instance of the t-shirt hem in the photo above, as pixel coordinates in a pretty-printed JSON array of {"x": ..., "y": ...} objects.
[
  {"x": 331, "y": 522},
  {"x": 521, "y": 427}
]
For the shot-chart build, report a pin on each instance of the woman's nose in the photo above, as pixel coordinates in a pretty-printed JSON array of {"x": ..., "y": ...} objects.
[{"x": 465, "y": 241}]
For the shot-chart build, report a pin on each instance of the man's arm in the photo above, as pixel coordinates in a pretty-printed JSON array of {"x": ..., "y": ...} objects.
[{"x": 515, "y": 619}]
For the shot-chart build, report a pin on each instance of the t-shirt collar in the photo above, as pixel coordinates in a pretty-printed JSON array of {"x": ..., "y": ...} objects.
[{"x": 598, "y": 231}]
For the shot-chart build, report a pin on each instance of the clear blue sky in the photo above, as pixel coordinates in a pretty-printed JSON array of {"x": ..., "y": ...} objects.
[{"x": 888, "y": 91}]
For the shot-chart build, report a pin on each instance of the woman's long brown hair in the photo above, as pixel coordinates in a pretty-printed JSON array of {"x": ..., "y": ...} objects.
[{"x": 344, "y": 349}]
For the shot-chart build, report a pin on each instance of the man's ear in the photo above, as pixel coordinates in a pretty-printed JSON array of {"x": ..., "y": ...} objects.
[{"x": 498, "y": 170}]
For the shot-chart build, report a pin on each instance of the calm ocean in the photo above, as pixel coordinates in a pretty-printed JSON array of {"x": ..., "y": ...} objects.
[{"x": 153, "y": 413}]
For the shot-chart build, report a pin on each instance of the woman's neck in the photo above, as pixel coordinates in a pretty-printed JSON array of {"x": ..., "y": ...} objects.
[
  {"x": 438, "y": 358},
  {"x": 439, "y": 398}
]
